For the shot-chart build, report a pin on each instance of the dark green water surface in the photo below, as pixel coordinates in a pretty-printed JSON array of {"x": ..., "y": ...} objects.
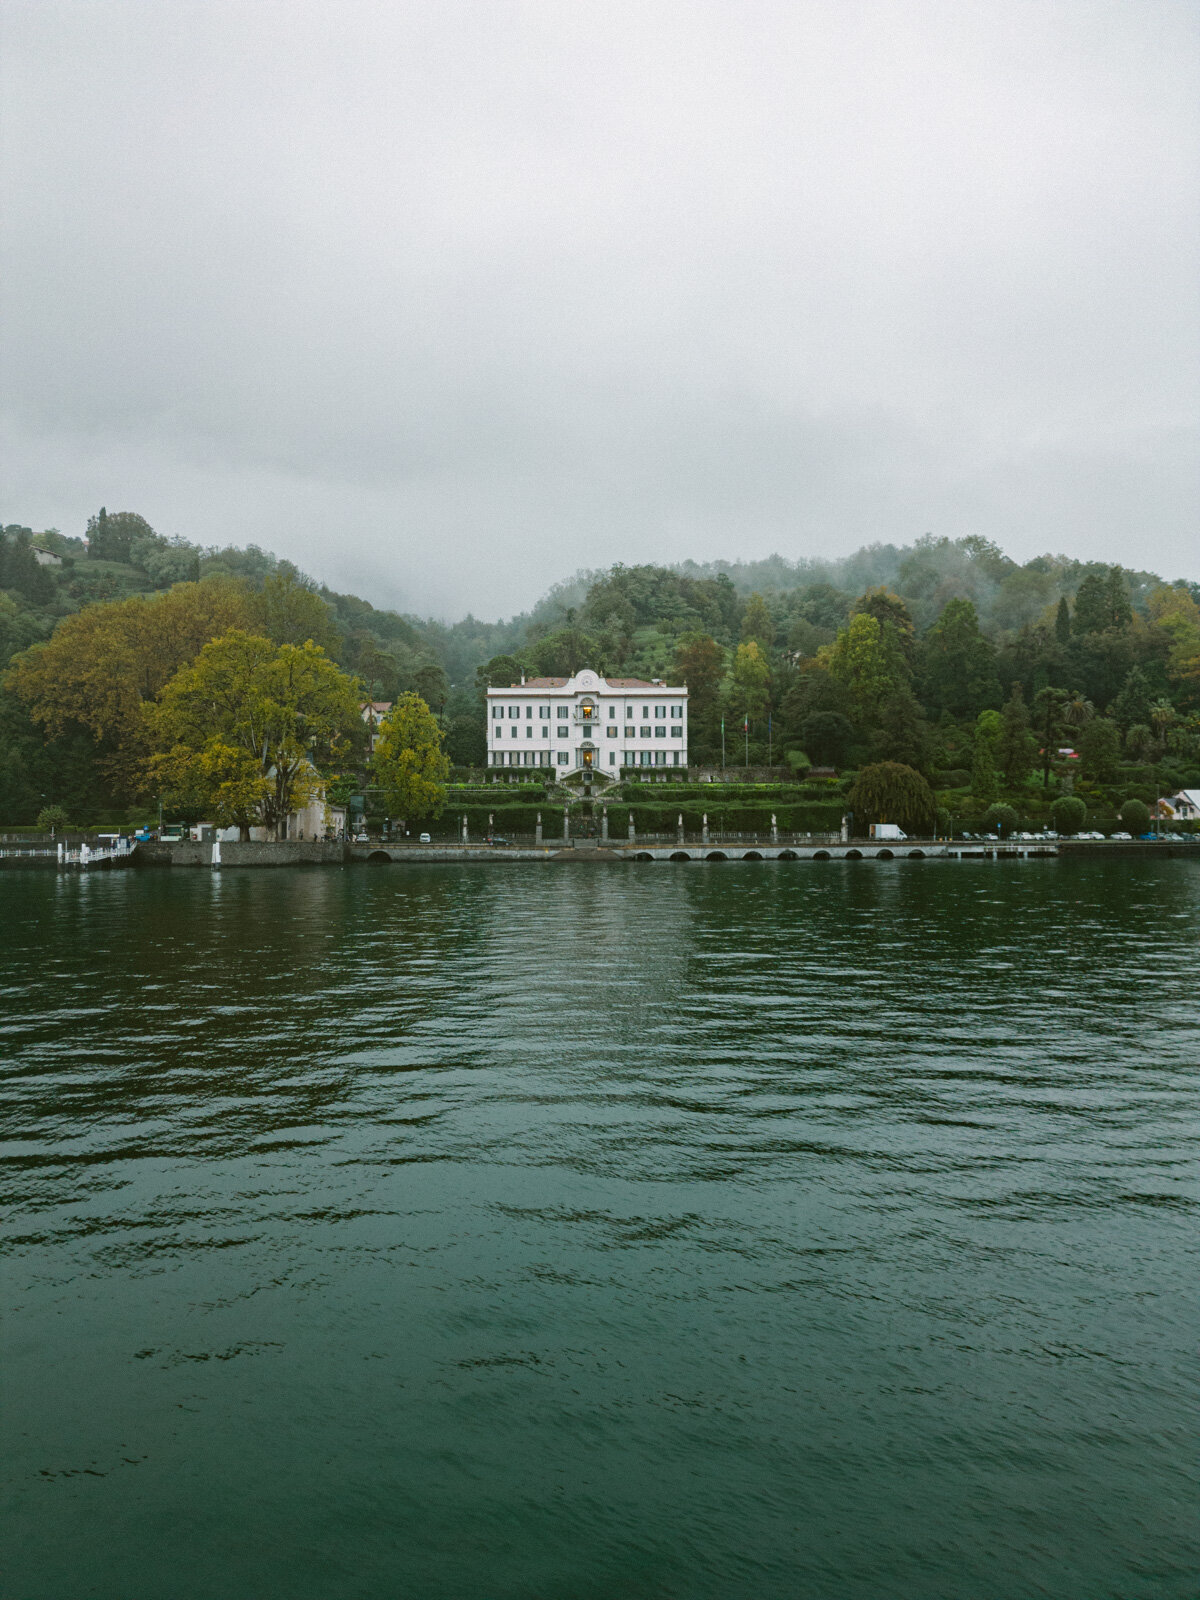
[{"x": 743, "y": 1230}]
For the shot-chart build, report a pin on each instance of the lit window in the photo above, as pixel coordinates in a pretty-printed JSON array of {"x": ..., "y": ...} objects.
[{"x": 630, "y": 732}]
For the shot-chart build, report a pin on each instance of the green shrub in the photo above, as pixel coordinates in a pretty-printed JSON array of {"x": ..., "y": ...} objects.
[
  {"x": 1001, "y": 819},
  {"x": 1068, "y": 814},
  {"x": 1135, "y": 814},
  {"x": 53, "y": 819}
]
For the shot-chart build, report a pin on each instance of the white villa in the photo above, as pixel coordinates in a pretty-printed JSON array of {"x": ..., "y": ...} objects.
[{"x": 587, "y": 724}]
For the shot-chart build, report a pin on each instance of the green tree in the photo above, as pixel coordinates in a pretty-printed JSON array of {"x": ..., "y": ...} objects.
[
  {"x": 889, "y": 791},
  {"x": 501, "y": 672},
  {"x": 1062, "y": 621},
  {"x": 282, "y": 708},
  {"x": 758, "y": 626},
  {"x": 223, "y": 781},
  {"x": 1068, "y": 814},
  {"x": 466, "y": 741},
  {"x": 565, "y": 651},
  {"x": 1140, "y": 743},
  {"x": 890, "y": 611},
  {"x": 867, "y": 663},
  {"x": 409, "y": 763},
  {"x": 984, "y": 775},
  {"x": 1133, "y": 703},
  {"x": 960, "y": 663},
  {"x": 1014, "y": 746},
  {"x": 826, "y": 737},
  {"x": 1135, "y": 814},
  {"x": 1119, "y": 611},
  {"x": 105, "y": 663},
  {"x": 1091, "y": 605},
  {"x": 750, "y": 679},
  {"x": 432, "y": 685},
  {"x": 287, "y": 610},
  {"x": 700, "y": 664},
  {"x": 1001, "y": 819},
  {"x": 53, "y": 819},
  {"x": 901, "y": 732},
  {"x": 19, "y": 569},
  {"x": 111, "y": 535},
  {"x": 1100, "y": 750},
  {"x": 1049, "y": 713}
]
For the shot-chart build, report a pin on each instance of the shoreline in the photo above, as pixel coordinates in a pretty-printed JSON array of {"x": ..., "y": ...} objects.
[{"x": 314, "y": 853}]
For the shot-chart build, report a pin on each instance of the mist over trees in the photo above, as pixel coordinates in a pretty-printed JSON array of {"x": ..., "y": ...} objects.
[{"x": 943, "y": 656}]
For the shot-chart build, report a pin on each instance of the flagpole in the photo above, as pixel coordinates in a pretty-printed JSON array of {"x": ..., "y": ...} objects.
[
  {"x": 746, "y": 731},
  {"x": 722, "y": 744}
]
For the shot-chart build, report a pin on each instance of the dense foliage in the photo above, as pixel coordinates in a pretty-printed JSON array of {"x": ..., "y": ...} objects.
[{"x": 995, "y": 682}]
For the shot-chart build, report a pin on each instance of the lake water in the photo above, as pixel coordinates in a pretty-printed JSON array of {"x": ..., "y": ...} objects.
[{"x": 547, "y": 1233}]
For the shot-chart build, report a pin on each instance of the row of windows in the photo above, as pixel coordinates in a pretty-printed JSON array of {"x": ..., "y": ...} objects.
[
  {"x": 542, "y": 758},
  {"x": 515, "y": 713},
  {"x": 647, "y": 731}
]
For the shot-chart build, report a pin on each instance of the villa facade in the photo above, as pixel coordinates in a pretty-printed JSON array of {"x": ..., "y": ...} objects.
[{"x": 587, "y": 724}]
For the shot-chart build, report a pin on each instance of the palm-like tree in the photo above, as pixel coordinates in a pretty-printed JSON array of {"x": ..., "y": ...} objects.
[
  {"x": 1162, "y": 716},
  {"x": 1078, "y": 710}
]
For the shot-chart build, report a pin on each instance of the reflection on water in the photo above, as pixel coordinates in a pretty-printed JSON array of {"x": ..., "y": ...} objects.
[{"x": 728, "y": 1230}]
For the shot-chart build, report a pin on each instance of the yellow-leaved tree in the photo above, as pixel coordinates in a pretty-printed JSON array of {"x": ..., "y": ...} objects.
[
  {"x": 244, "y": 730},
  {"x": 105, "y": 664},
  {"x": 409, "y": 763}
]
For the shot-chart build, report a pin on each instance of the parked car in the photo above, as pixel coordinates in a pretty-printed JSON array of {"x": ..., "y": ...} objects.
[
  {"x": 495, "y": 839},
  {"x": 1120, "y": 836},
  {"x": 425, "y": 838}
]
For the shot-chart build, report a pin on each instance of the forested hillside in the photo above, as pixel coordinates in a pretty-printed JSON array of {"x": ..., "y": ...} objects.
[{"x": 943, "y": 655}]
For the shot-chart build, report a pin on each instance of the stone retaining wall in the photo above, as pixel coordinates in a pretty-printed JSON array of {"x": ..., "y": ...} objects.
[{"x": 276, "y": 853}]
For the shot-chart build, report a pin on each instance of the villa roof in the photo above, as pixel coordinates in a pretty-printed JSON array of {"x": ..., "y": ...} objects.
[{"x": 561, "y": 683}]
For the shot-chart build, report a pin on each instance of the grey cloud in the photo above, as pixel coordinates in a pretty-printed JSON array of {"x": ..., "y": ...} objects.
[{"x": 444, "y": 302}]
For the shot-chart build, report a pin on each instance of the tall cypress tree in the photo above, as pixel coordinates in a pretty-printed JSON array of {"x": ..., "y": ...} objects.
[
  {"x": 1014, "y": 747},
  {"x": 1116, "y": 595},
  {"x": 1092, "y": 605},
  {"x": 1062, "y": 621}
]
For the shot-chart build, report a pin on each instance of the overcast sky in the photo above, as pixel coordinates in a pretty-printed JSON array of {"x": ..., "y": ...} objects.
[{"x": 444, "y": 301}]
